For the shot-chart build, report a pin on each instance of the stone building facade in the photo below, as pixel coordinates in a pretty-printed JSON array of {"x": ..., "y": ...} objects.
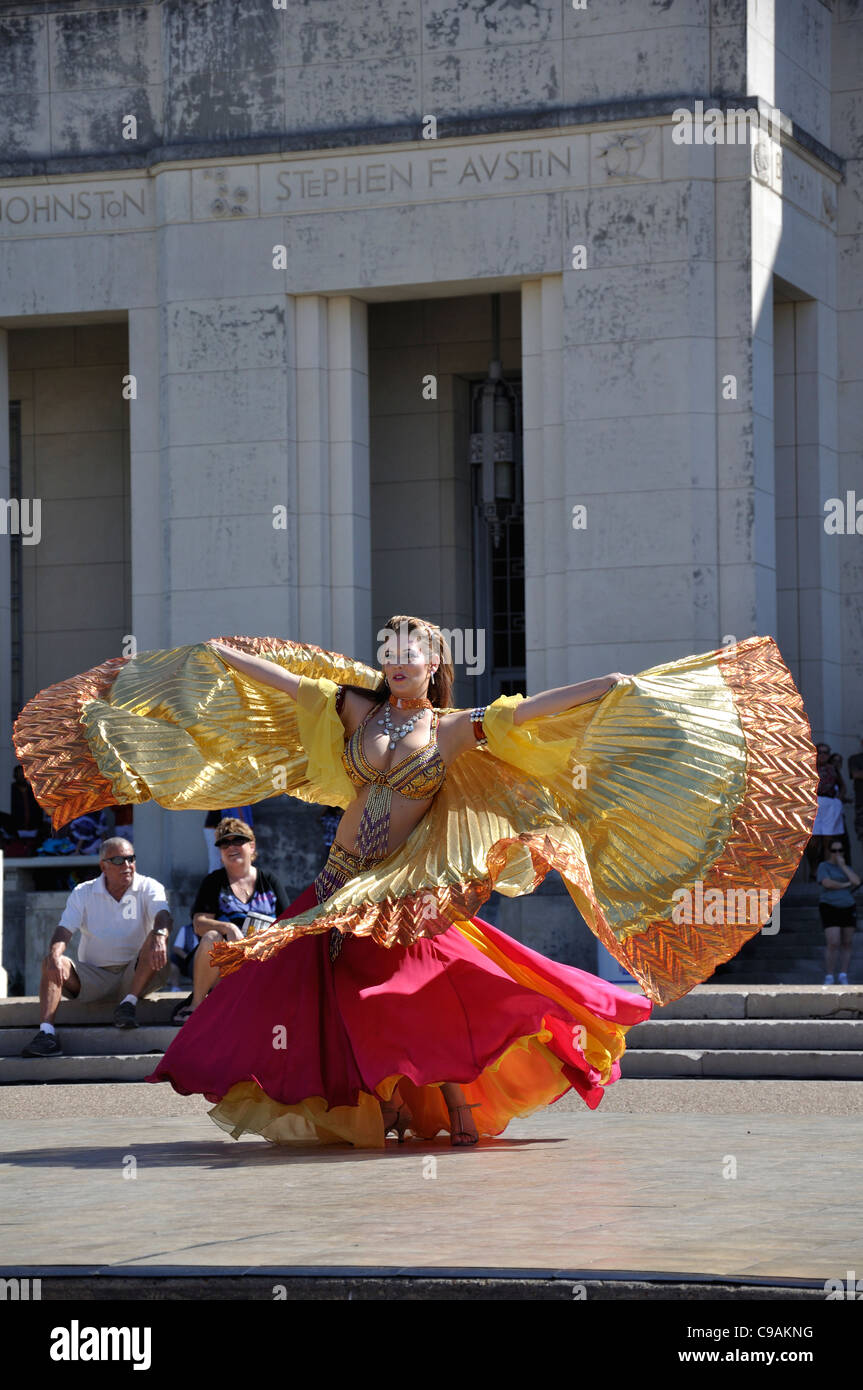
[{"x": 256, "y": 258}]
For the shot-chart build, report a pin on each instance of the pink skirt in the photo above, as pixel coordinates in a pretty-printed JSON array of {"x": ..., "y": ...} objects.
[{"x": 302, "y": 1048}]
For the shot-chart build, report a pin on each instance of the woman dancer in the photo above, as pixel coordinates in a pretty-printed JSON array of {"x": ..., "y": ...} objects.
[
  {"x": 398, "y": 762},
  {"x": 379, "y": 1000}
]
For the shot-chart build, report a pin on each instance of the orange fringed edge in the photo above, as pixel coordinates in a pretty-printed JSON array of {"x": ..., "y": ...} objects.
[
  {"x": 51, "y": 745},
  {"x": 769, "y": 831},
  {"x": 403, "y": 921},
  {"x": 51, "y": 742}
]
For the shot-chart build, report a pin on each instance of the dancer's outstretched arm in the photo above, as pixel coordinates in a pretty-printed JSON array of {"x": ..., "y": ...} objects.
[
  {"x": 259, "y": 669},
  {"x": 564, "y": 697},
  {"x": 458, "y": 727}
]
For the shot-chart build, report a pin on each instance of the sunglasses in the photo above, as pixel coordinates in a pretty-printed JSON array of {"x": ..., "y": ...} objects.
[
  {"x": 234, "y": 840},
  {"x": 119, "y": 859},
  {"x": 836, "y": 849}
]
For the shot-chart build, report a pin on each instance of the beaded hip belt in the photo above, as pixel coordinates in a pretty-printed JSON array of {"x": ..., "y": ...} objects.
[{"x": 341, "y": 866}]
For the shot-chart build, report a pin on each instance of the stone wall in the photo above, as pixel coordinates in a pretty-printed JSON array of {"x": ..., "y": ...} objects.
[
  {"x": 421, "y": 502},
  {"x": 198, "y": 71},
  {"x": 847, "y": 134},
  {"x": 76, "y": 592}
]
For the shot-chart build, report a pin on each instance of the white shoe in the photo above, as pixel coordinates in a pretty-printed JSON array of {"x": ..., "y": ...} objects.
[{"x": 843, "y": 978}]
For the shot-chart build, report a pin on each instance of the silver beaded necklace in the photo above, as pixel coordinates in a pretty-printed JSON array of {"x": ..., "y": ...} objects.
[{"x": 398, "y": 731}]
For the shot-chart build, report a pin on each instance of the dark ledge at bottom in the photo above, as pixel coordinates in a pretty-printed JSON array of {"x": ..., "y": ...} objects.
[
  {"x": 379, "y": 1283},
  {"x": 526, "y": 121}
]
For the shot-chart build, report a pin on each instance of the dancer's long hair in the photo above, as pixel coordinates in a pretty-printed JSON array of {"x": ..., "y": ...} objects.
[{"x": 434, "y": 644}]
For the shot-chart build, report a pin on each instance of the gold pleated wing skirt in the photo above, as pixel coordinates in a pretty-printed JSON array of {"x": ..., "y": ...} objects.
[{"x": 676, "y": 808}]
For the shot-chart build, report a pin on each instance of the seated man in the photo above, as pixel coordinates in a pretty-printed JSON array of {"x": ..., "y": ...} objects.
[{"x": 124, "y": 922}]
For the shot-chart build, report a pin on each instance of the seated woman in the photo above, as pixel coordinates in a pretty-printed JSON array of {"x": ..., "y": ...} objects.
[{"x": 225, "y": 898}]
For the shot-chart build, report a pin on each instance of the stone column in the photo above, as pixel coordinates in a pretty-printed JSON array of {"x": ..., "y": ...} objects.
[
  {"x": 748, "y": 229},
  {"x": 548, "y": 920},
  {"x": 227, "y": 434},
  {"x": 813, "y": 418},
  {"x": 4, "y": 978},
  {"x": 313, "y": 471},
  {"x": 149, "y": 566},
  {"x": 6, "y": 751},
  {"x": 544, "y": 527},
  {"x": 334, "y": 528},
  {"x": 350, "y": 489},
  {"x": 640, "y": 395},
  {"x": 147, "y": 543},
  {"x": 847, "y": 100}
]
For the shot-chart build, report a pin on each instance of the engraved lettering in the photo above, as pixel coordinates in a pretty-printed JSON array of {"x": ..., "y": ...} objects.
[
  {"x": 69, "y": 209},
  {"x": 372, "y": 174},
  {"x": 130, "y": 198}
]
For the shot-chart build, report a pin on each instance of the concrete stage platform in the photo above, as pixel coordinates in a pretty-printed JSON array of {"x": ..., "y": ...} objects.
[{"x": 718, "y": 1183}]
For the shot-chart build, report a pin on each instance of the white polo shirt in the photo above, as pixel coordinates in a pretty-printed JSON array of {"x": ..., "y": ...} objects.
[{"x": 112, "y": 932}]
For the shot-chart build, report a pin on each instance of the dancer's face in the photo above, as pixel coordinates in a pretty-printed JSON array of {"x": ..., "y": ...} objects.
[{"x": 408, "y": 666}]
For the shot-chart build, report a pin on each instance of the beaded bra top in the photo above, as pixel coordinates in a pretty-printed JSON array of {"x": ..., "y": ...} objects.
[{"x": 418, "y": 776}]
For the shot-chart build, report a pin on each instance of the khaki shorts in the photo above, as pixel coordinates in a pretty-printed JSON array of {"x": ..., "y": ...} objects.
[{"x": 107, "y": 981}]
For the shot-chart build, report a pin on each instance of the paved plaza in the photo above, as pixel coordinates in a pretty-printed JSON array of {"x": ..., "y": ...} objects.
[{"x": 739, "y": 1180}]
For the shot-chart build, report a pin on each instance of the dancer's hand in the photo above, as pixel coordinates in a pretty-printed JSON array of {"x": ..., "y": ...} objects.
[{"x": 615, "y": 676}]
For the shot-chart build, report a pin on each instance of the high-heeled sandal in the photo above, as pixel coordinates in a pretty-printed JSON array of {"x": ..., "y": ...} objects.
[
  {"x": 397, "y": 1123},
  {"x": 461, "y": 1135}
]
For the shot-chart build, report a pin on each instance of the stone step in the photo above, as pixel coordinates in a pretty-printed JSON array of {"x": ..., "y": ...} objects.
[
  {"x": 637, "y": 1064},
  {"x": 743, "y": 1063},
  {"x": 721, "y": 998},
  {"x": 783, "y": 1001},
  {"x": 748, "y": 974},
  {"x": 810, "y": 939},
  {"x": 754, "y": 978},
  {"x": 801, "y": 918},
  {"x": 95, "y": 1041},
  {"x": 804, "y": 1034},
  {"x": 18, "y": 1071},
  {"x": 22, "y": 1011},
  {"x": 750, "y": 1034},
  {"x": 785, "y": 943},
  {"x": 792, "y": 971}
]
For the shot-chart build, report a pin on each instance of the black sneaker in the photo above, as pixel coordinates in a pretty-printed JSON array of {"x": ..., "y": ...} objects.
[
  {"x": 124, "y": 1015},
  {"x": 43, "y": 1045}
]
